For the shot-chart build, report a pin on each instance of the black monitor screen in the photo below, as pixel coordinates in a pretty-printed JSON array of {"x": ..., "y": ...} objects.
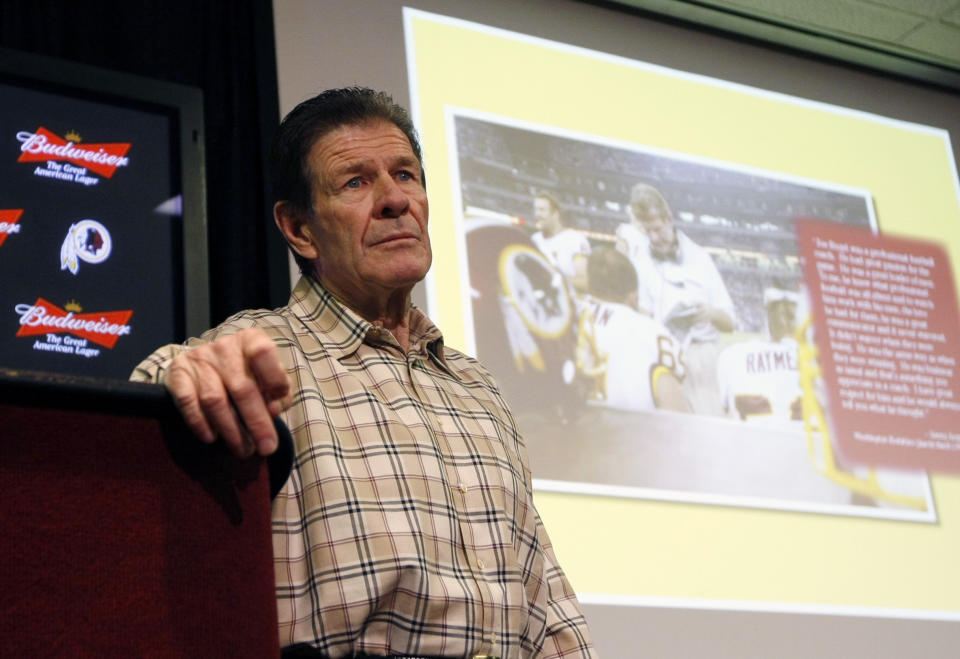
[{"x": 92, "y": 226}]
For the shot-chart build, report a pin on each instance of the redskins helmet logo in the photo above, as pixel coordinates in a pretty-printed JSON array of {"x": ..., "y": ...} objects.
[
  {"x": 87, "y": 240},
  {"x": 536, "y": 290}
]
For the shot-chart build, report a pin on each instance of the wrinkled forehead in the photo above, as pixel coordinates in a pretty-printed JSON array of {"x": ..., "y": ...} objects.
[
  {"x": 350, "y": 145},
  {"x": 366, "y": 134}
]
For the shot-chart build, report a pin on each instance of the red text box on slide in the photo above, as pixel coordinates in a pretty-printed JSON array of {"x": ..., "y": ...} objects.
[{"x": 888, "y": 340}]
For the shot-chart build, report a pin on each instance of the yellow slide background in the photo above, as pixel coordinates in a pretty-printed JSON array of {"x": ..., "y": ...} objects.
[{"x": 676, "y": 550}]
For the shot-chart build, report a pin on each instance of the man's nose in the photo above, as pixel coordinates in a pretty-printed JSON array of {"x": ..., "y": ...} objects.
[{"x": 390, "y": 199}]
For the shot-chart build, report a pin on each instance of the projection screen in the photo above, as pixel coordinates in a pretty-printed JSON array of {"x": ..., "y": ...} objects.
[{"x": 744, "y": 530}]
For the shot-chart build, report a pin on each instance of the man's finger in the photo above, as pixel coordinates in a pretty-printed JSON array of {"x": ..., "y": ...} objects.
[
  {"x": 232, "y": 388},
  {"x": 263, "y": 361},
  {"x": 248, "y": 366},
  {"x": 247, "y": 403},
  {"x": 218, "y": 409},
  {"x": 181, "y": 386}
]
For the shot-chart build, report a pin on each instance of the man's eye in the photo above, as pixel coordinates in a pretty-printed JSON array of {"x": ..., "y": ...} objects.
[
  {"x": 354, "y": 182},
  {"x": 404, "y": 175}
]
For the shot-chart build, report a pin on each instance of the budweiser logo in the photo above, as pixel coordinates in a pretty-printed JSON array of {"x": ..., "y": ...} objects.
[
  {"x": 8, "y": 222},
  {"x": 100, "y": 158},
  {"x": 103, "y": 327}
]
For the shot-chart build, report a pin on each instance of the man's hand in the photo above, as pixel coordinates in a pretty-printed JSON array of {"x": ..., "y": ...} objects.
[
  {"x": 715, "y": 316},
  {"x": 232, "y": 388}
]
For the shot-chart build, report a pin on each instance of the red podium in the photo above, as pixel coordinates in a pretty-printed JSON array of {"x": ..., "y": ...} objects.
[{"x": 123, "y": 536}]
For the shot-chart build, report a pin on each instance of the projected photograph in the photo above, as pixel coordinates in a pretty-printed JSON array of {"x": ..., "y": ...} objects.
[{"x": 645, "y": 313}]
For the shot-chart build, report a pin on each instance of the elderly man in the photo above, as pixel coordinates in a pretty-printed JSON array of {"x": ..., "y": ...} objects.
[
  {"x": 407, "y": 528},
  {"x": 682, "y": 288}
]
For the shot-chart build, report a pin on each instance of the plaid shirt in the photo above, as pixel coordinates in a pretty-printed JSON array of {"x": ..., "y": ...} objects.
[{"x": 407, "y": 525}]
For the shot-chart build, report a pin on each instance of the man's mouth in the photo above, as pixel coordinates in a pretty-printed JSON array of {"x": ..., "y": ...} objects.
[{"x": 395, "y": 237}]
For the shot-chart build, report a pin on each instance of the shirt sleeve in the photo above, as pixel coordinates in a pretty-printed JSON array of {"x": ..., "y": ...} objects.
[
  {"x": 154, "y": 368},
  {"x": 567, "y": 634}
]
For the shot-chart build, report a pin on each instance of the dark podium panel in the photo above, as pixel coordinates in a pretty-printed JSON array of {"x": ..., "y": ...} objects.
[{"x": 123, "y": 536}]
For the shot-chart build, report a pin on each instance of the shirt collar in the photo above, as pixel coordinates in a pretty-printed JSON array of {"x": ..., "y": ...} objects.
[
  {"x": 341, "y": 330},
  {"x": 427, "y": 338}
]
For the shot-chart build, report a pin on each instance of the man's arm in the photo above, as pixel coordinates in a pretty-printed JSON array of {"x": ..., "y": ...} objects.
[
  {"x": 716, "y": 316},
  {"x": 567, "y": 634},
  {"x": 230, "y": 388},
  {"x": 668, "y": 391}
]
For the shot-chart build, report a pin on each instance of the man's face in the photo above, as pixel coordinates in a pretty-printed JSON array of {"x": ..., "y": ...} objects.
[
  {"x": 369, "y": 220},
  {"x": 546, "y": 216},
  {"x": 782, "y": 318},
  {"x": 656, "y": 222}
]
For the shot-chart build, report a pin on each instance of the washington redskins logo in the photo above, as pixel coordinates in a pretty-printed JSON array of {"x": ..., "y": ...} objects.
[
  {"x": 536, "y": 290},
  {"x": 87, "y": 240}
]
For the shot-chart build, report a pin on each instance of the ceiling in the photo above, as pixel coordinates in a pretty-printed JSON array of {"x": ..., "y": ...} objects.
[{"x": 926, "y": 31}]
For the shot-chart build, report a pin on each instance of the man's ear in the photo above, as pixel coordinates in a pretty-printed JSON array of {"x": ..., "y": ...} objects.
[{"x": 293, "y": 225}]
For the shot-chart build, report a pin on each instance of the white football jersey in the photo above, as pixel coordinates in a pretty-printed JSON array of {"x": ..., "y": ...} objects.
[
  {"x": 760, "y": 382},
  {"x": 563, "y": 248},
  {"x": 637, "y": 350}
]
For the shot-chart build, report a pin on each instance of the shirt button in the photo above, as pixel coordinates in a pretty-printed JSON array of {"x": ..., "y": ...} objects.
[
  {"x": 463, "y": 488},
  {"x": 481, "y": 564}
]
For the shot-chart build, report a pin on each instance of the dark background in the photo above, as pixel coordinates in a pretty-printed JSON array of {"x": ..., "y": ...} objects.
[
  {"x": 139, "y": 274},
  {"x": 227, "y": 50}
]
